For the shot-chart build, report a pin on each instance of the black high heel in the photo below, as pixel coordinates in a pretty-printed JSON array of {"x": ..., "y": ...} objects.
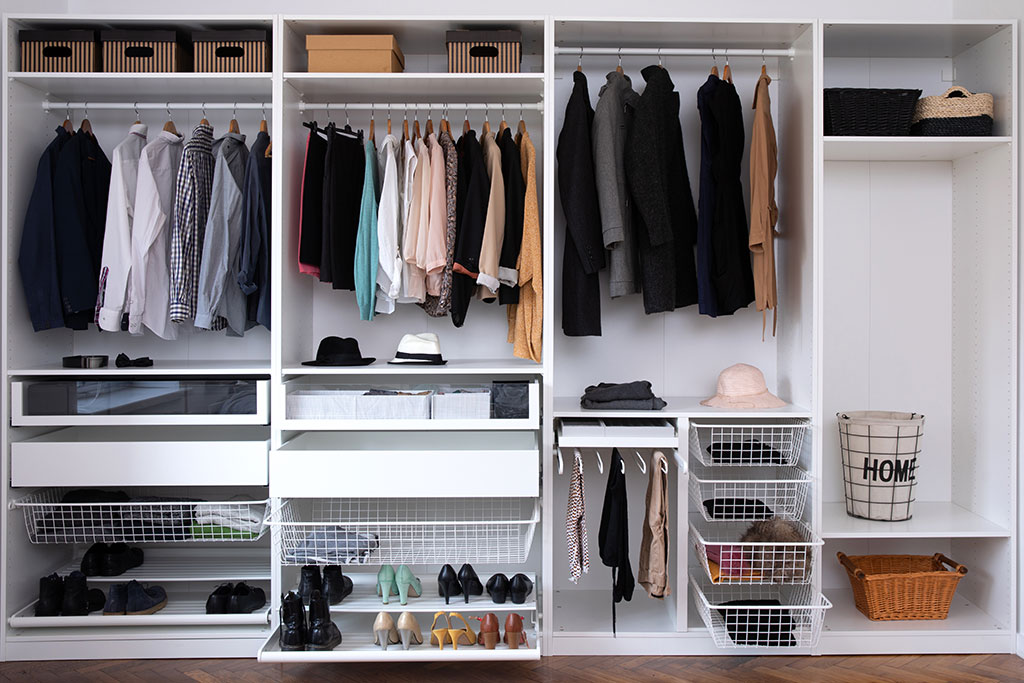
[
  {"x": 519, "y": 587},
  {"x": 448, "y": 583},
  {"x": 497, "y": 588},
  {"x": 470, "y": 581}
]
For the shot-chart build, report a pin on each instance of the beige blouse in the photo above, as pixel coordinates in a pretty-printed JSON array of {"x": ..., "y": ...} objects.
[
  {"x": 764, "y": 213},
  {"x": 494, "y": 226}
]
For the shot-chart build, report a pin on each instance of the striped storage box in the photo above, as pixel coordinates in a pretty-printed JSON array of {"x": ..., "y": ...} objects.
[
  {"x": 60, "y": 51},
  {"x": 484, "y": 52},
  {"x": 141, "y": 51},
  {"x": 230, "y": 51}
]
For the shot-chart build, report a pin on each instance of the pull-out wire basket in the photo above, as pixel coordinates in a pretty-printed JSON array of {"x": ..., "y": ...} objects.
[
  {"x": 761, "y": 616},
  {"x": 405, "y": 530},
  {"x": 140, "y": 519},
  {"x": 748, "y": 444},
  {"x": 726, "y": 560},
  {"x": 749, "y": 494}
]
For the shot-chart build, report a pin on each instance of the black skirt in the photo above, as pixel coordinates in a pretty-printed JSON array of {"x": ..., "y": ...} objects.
[
  {"x": 344, "y": 165},
  {"x": 312, "y": 217}
]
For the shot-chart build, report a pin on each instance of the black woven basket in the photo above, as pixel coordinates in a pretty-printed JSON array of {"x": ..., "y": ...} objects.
[
  {"x": 869, "y": 111},
  {"x": 954, "y": 126}
]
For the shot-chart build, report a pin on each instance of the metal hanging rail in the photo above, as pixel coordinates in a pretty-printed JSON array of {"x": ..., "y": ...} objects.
[
  {"x": 676, "y": 51},
  {"x": 421, "y": 106},
  {"x": 51, "y": 104}
]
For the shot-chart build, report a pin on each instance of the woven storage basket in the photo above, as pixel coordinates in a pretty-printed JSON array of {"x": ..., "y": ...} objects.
[
  {"x": 957, "y": 111},
  {"x": 902, "y": 587},
  {"x": 869, "y": 111}
]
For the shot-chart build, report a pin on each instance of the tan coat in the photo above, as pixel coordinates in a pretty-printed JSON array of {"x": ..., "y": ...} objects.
[
  {"x": 494, "y": 226},
  {"x": 764, "y": 213},
  {"x": 653, "y": 569},
  {"x": 526, "y": 319}
]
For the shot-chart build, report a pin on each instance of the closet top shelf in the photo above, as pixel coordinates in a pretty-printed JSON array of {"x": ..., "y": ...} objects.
[
  {"x": 148, "y": 87},
  {"x": 678, "y": 406},
  {"x": 898, "y": 148},
  {"x": 482, "y": 367},
  {"x": 410, "y": 86},
  {"x": 173, "y": 368}
]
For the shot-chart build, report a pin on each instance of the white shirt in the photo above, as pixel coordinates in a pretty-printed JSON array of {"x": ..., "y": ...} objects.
[
  {"x": 407, "y": 295},
  {"x": 389, "y": 267},
  {"x": 151, "y": 232},
  {"x": 116, "y": 262}
]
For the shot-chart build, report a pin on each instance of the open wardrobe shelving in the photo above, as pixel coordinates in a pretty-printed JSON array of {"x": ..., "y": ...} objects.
[{"x": 897, "y": 277}]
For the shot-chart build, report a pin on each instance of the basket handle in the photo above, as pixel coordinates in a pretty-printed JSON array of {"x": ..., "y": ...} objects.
[
  {"x": 955, "y": 566},
  {"x": 851, "y": 567},
  {"x": 959, "y": 90}
]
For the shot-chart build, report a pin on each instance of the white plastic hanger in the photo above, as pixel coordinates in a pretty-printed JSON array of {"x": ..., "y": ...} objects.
[{"x": 640, "y": 461}]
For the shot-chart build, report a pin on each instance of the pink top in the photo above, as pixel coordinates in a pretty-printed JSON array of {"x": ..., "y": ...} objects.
[{"x": 416, "y": 287}]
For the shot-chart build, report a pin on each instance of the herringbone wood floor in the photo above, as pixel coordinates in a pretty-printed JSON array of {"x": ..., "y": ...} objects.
[{"x": 924, "y": 669}]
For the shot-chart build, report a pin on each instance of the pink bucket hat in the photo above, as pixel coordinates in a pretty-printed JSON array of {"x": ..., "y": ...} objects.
[{"x": 743, "y": 386}]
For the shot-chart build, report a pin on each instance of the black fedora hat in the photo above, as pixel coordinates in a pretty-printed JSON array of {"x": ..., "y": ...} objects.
[{"x": 338, "y": 351}]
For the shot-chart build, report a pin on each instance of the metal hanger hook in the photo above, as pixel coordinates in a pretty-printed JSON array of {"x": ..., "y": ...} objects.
[
  {"x": 620, "y": 56},
  {"x": 727, "y": 56},
  {"x": 85, "y": 110},
  {"x": 579, "y": 65},
  {"x": 714, "y": 58},
  {"x": 659, "y": 58},
  {"x": 204, "y": 110},
  {"x": 168, "y": 110},
  {"x": 263, "y": 110},
  {"x": 136, "y": 107},
  {"x": 346, "y": 115},
  {"x": 67, "y": 112},
  {"x": 234, "y": 110},
  {"x": 763, "y": 63}
]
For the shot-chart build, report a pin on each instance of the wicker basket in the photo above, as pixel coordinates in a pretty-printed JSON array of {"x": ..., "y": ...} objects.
[
  {"x": 869, "y": 111},
  {"x": 902, "y": 587},
  {"x": 957, "y": 111}
]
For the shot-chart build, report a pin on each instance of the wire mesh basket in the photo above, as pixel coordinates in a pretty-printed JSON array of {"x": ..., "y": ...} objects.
[
  {"x": 727, "y": 560},
  {"x": 406, "y": 530},
  {"x": 748, "y": 444},
  {"x": 140, "y": 519},
  {"x": 761, "y": 616},
  {"x": 750, "y": 494}
]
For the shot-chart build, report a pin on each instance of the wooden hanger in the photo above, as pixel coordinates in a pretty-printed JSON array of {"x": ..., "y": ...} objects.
[
  {"x": 522, "y": 123},
  {"x": 714, "y": 65},
  {"x": 727, "y": 72},
  {"x": 372, "y": 128},
  {"x": 68, "y": 124},
  {"x": 169, "y": 126},
  {"x": 405, "y": 127},
  {"x": 203, "y": 121},
  {"x": 503, "y": 125},
  {"x": 465, "y": 124},
  {"x": 579, "y": 66},
  {"x": 389, "y": 119},
  {"x": 487, "y": 124},
  {"x": 85, "y": 126},
  {"x": 267, "y": 154},
  {"x": 233, "y": 124},
  {"x": 764, "y": 66},
  {"x": 263, "y": 124},
  {"x": 415, "y": 127},
  {"x": 430, "y": 125}
]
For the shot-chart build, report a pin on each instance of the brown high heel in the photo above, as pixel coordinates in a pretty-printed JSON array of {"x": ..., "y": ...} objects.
[
  {"x": 490, "y": 632},
  {"x": 514, "y": 633}
]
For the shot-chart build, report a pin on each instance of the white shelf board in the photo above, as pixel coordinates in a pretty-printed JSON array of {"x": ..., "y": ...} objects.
[
  {"x": 149, "y": 87},
  {"x": 910, "y": 148},
  {"x": 965, "y": 618},
  {"x": 930, "y": 520},
  {"x": 912, "y": 39},
  {"x": 182, "y": 609},
  {"x": 170, "y": 368},
  {"x": 678, "y": 406},
  {"x": 167, "y": 566},
  {"x": 418, "y": 87},
  {"x": 359, "y": 647},
  {"x": 485, "y": 367},
  {"x": 364, "y": 599},
  {"x": 580, "y": 611},
  {"x": 407, "y": 425}
]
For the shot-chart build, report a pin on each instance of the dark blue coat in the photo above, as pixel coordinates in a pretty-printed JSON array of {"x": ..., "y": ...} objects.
[{"x": 254, "y": 271}]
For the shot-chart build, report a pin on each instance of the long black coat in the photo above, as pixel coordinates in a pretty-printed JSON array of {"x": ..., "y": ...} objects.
[
  {"x": 613, "y": 534},
  {"x": 660, "y": 189},
  {"x": 584, "y": 248}
]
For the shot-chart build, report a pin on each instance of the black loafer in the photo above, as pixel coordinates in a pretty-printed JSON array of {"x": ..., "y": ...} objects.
[
  {"x": 219, "y": 599},
  {"x": 246, "y": 599}
]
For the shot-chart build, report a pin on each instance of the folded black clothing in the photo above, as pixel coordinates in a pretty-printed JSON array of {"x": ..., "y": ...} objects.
[
  {"x": 82, "y": 496},
  {"x": 510, "y": 400},
  {"x": 625, "y": 404},
  {"x": 739, "y": 452},
  {"x": 766, "y": 627},
  {"x": 737, "y": 508},
  {"x": 639, "y": 390}
]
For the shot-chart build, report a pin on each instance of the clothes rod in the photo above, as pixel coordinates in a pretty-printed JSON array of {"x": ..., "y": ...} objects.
[
  {"x": 420, "y": 106},
  {"x": 675, "y": 51},
  {"x": 49, "y": 104}
]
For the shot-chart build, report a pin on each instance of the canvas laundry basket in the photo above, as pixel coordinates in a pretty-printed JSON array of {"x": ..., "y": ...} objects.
[{"x": 880, "y": 451}]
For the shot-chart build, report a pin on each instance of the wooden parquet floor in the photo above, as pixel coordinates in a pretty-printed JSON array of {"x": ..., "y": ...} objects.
[{"x": 865, "y": 669}]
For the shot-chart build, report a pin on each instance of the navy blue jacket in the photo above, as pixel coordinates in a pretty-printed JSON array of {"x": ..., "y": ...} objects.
[
  {"x": 706, "y": 297},
  {"x": 254, "y": 270},
  {"x": 80, "y": 187},
  {"x": 37, "y": 256}
]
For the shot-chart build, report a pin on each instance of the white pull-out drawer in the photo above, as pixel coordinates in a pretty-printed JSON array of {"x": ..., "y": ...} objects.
[
  {"x": 407, "y": 465},
  {"x": 143, "y": 456}
]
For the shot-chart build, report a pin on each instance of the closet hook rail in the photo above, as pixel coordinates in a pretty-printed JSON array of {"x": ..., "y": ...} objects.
[
  {"x": 675, "y": 51},
  {"x": 418, "y": 106},
  {"x": 51, "y": 104}
]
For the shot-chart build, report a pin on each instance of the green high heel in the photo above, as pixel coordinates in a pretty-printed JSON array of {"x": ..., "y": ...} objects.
[
  {"x": 386, "y": 585},
  {"x": 408, "y": 584}
]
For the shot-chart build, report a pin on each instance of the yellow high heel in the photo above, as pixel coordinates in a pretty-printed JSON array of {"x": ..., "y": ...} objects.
[
  {"x": 439, "y": 635},
  {"x": 457, "y": 634}
]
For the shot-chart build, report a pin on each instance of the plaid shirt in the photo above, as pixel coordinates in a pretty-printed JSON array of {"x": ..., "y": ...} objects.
[{"x": 191, "y": 206}]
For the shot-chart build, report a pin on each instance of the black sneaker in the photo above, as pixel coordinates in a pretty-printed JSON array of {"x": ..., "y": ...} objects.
[
  {"x": 246, "y": 599},
  {"x": 218, "y": 601},
  {"x": 51, "y": 596}
]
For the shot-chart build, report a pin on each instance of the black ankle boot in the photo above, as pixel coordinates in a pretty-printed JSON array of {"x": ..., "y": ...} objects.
[
  {"x": 309, "y": 581},
  {"x": 337, "y": 586},
  {"x": 79, "y": 599},
  {"x": 51, "y": 596},
  {"x": 293, "y": 623},
  {"x": 323, "y": 632}
]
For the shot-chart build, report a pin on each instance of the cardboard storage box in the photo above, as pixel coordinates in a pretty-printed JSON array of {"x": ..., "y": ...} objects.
[
  {"x": 141, "y": 51},
  {"x": 354, "y": 54},
  {"x": 62, "y": 50},
  {"x": 484, "y": 52},
  {"x": 230, "y": 51}
]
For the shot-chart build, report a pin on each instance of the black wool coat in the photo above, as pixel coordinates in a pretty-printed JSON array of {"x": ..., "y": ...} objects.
[
  {"x": 584, "y": 247},
  {"x": 660, "y": 190},
  {"x": 613, "y": 534}
]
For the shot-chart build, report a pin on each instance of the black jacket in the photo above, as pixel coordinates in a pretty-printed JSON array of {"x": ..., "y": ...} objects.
[
  {"x": 471, "y": 206},
  {"x": 660, "y": 188},
  {"x": 37, "y": 256},
  {"x": 613, "y": 535},
  {"x": 731, "y": 274},
  {"x": 515, "y": 199},
  {"x": 344, "y": 164},
  {"x": 584, "y": 247},
  {"x": 311, "y": 213},
  {"x": 80, "y": 188}
]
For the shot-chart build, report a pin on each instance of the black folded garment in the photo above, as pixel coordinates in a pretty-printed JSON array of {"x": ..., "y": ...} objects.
[
  {"x": 724, "y": 509},
  {"x": 80, "y": 496},
  {"x": 510, "y": 400},
  {"x": 766, "y": 627},
  {"x": 740, "y": 452},
  {"x": 625, "y": 404},
  {"x": 639, "y": 390}
]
